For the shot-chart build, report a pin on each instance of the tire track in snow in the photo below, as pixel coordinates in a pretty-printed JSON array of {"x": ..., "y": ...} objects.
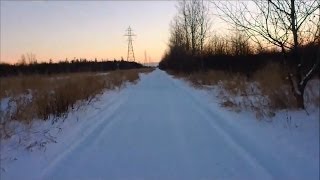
[
  {"x": 257, "y": 157},
  {"x": 92, "y": 131},
  {"x": 212, "y": 125}
]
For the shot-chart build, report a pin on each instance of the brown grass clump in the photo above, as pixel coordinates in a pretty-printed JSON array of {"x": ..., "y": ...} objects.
[
  {"x": 207, "y": 78},
  {"x": 42, "y": 97},
  {"x": 272, "y": 83}
]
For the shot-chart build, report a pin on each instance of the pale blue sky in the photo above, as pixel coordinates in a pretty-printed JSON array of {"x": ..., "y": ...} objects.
[{"x": 83, "y": 29}]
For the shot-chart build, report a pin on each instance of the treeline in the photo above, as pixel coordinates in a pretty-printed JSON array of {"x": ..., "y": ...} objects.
[
  {"x": 285, "y": 32},
  {"x": 65, "y": 67},
  {"x": 224, "y": 54}
]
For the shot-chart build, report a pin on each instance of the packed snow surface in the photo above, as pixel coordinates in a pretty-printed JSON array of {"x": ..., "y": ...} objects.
[{"x": 161, "y": 128}]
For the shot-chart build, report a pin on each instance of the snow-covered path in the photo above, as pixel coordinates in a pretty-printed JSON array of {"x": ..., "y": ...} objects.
[{"x": 160, "y": 129}]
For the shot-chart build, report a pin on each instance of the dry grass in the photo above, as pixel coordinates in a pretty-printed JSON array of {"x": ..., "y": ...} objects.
[
  {"x": 272, "y": 83},
  {"x": 266, "y": 92},
  {"x": 42, "y": 97}
]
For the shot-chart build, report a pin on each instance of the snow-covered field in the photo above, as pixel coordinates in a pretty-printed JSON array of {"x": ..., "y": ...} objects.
[{"x": 161, "y": 128}]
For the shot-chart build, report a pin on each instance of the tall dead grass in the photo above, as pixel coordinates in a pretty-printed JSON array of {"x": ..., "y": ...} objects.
[
  {"x": 265, "y": 92},
  {"x": 273, "y": 84},
  {"x": 41, "y": 97}
]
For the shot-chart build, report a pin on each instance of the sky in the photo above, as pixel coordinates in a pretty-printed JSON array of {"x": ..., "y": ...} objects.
[{"x": 84, "y": 29}]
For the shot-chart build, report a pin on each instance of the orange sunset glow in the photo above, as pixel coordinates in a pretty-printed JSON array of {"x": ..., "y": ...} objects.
[{"x": 52, "y": 30}]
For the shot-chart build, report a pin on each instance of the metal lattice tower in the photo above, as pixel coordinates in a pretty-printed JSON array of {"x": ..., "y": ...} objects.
[{"x": 130, "y": 55}]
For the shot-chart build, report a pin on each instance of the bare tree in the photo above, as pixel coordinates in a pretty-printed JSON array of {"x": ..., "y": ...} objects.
[
  {"x": 31, "y": 58},
  {"x": 204, "y": 23},
  {"x": 237, "y": 44},
  {"x": 194, "y": 20},
  {"x": 178, "y": 36},
  {"x": 283, "y": 23},
  {"x": 240, "y": 44},
  {"x": 22, "y": 60}
]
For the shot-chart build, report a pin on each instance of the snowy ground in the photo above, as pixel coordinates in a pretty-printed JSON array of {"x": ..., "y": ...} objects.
[{"x": 161, "y": 128}]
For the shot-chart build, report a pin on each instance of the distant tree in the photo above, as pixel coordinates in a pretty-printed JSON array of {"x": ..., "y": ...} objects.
[
  {"x": 191, "y": 25},
  {"x": 240, "y": 44},
  {"x": 22, "y": 60},
  {"x": 218, "y": 45},
  {"x": 31, "y": 58}
]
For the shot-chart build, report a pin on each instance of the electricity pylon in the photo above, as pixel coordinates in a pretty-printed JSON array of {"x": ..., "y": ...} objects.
[
  {"x": 130, "y": 55},
  {"x": 145, "y": 58}
]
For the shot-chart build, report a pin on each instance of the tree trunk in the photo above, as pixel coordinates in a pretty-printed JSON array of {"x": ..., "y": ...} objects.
[
  {"x": 297, "y": 90},
  {"x": 300, "y": 98},
  {"x": 298, "y": 87}
]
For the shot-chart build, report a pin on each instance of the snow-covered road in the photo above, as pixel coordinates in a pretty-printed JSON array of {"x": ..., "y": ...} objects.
[{"x": 160, "y": 129}]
